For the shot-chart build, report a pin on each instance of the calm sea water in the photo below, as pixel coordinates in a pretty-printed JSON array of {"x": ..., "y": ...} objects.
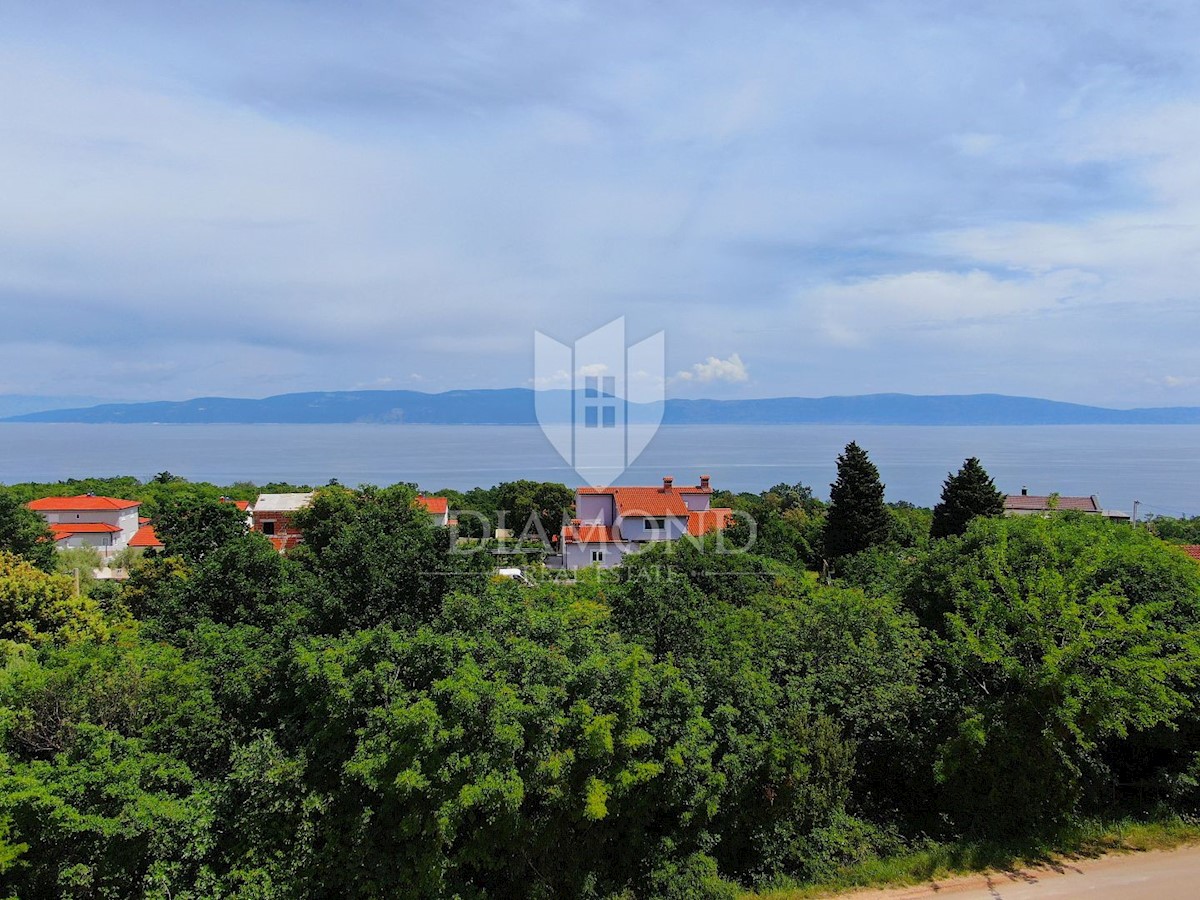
[{"x": 1158, "y": 465}]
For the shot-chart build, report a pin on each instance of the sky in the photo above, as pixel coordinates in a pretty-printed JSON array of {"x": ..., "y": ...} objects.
[{"x": 807, "y": 198}]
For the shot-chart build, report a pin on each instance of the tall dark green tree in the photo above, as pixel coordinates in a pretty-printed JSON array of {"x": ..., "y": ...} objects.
[
  {"x": 857, "y": 517},
  {"x": 966, "y": 495}
]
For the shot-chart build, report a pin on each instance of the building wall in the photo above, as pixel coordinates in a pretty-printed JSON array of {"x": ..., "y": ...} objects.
[
  {"x": 282, "y": 524},
  {"x": 697, "y": 502},
  {"x": 594, "y": 508},
  {"x": 127, "y": 521},
  {"x": 102, "y": 542},
  {"x": 579, "y": 556},
  {"x": 633, "y": 528}
]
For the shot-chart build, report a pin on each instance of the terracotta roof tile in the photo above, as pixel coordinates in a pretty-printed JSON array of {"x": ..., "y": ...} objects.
[
  {"x": 61, "y": 531},
  {"x": 588, "y": 534},
  {"x": 435, "y": 505},
  {"x": 81, "y": 502},
  {"x": 703, "y": 521},
  {"x": 644, "y": 501},
  {"x": 1029, "y": 502},
  {"x": 1192, "y": 550},
  {"x": 146, "y": 537}
]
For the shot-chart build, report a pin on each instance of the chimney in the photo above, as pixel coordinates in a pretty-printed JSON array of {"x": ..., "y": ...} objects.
[
  {"x": 704, "y": 482},
  {"x": 1024, "y": 491},
  {"x": 576, "y": 522},
  {"x": 667, "y": 482}
]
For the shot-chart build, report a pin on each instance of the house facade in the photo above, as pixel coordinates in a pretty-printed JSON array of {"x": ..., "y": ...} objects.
[
  {"x": 612, "y": 522},
  {"x": 106, "y": 524},
  {"x": 271, "y": 515}
]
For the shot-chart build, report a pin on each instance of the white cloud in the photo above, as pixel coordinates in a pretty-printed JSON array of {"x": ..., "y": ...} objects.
[
  {"x": 731, "y": 370},
  {"x": 1178, "y": 381}
]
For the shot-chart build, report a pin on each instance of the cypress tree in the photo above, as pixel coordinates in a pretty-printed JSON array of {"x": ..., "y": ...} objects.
[
  {"x": 966, "y": 495},
  {"x": 857, "y": 518}
]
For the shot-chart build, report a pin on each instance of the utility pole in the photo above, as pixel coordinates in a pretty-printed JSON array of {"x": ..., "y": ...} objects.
[
  {"x": 77, "y": 581},
  {"x": 1136, "y": 504}
]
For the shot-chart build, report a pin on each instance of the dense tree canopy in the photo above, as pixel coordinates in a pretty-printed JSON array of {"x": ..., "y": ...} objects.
[{"x": 373, "y": 715}]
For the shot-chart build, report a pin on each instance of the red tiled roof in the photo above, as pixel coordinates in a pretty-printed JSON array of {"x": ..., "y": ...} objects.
[
  {"x": 1028, "y": 502},
  {"x": 81, "y": 502},
  {"x": 702, "y": 521},
  {"x": 61, "y": 531},
  {"x": 435, "y": 505},
  {"x": 243, "y": 505},
  {"x": 644, "y": 501},
  {"x": 1192, "y": 550},
  {"x": 146, "y": 537},
  {"x": 588, "y": 534},
  {"x": 143, "y": 520}
]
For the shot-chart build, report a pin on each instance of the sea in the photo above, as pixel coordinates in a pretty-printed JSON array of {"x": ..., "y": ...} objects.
[{"x": 1157, "y": 466}]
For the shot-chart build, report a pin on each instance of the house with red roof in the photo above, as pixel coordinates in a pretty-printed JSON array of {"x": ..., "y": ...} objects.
[
  {"x": 146, "y": 538},
  {"x": 612, "y": 522},
  {"x": 438, "y": 509},
  {"x": 106, "y": 524},
  {"x": 1026, "y": 504}
]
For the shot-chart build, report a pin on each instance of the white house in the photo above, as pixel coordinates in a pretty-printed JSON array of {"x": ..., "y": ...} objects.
[
  {"x": 106, "y": 524},
  {"x": 612, "y": 522}
]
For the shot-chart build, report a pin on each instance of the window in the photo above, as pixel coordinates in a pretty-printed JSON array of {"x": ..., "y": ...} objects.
[
  {"x": 268, "y": 527},
  {"x": 597, "y": 556},
  {"x": 654, "y": 524},
  {"x": 600, "y": 406}
]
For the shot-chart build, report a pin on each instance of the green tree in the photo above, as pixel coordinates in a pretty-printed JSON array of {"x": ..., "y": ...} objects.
[
  {"x": 192, "y": 527},
  {"x": 84, "y": 560},
  {"x": 24, "y": 532},
  {"x": 527, "y": 503},
  {"x": 965, "y": 495},
  {"x": 1056, "y": 638},
  {"x": 38, "y": 608},
  {"x": 857, "y": 517}
]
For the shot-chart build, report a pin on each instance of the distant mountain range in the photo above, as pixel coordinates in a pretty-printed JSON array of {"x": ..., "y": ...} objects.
[
  {"x": 19, "y": 404},
  {"x": 515, "y": 406}
]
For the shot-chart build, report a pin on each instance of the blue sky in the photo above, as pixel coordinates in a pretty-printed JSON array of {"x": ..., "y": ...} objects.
[{"x": 809, "y": 198}]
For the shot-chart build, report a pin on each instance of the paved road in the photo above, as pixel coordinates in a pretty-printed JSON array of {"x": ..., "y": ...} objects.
[{"x": 1158, "y": 875}]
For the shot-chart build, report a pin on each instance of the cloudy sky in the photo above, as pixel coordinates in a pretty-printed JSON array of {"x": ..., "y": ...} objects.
[{"x": 810, "y": 198}]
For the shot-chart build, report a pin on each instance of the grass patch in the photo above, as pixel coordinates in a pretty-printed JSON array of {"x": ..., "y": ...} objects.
[{"x": 936, "y": 861}]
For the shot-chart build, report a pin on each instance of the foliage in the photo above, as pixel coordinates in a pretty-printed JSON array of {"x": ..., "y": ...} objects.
[
  {"x": 380, "y": 559},
  {"x": 193, "y": 527},
  {"x": 1054, "y": 635},
  {"x": 965, "y": 495},
  {"x": 24, "y": 532},
  {"x": 374, "y": 715},
  {"x": 84, "y": 560},
  {"x": 530, "y": 503},
  {"x": 39, "y": 608},
  {"x": 1177, "y": 531},
  {"x": 857, "y": 518}
]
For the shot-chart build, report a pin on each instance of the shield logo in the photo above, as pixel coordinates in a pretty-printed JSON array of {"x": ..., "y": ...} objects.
[{"x": 611, "y": 402}]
